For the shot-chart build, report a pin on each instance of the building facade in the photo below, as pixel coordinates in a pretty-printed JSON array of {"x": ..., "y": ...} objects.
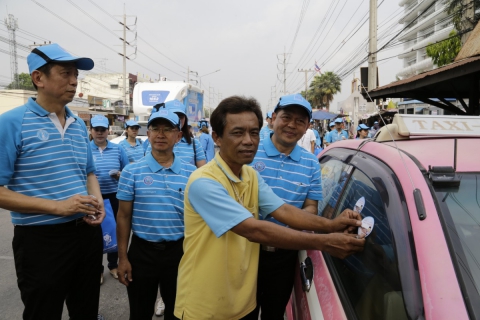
[{"x": 426, "y": 22}]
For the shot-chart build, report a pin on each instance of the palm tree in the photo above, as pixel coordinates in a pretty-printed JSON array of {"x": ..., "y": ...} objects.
[{"x": 323, "y": 88}]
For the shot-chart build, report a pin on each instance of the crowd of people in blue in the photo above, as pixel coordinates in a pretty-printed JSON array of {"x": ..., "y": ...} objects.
[{"x": 214, "y": 232}]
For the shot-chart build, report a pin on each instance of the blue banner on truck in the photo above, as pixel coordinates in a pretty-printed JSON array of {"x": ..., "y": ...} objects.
[{"x": 153, "y": 97}]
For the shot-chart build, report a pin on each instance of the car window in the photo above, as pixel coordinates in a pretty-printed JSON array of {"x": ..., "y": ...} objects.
[
  {"x": 334, "y": 173},
  {"x": 370, "y": 279},
  {"x": 460, "y": 210}
]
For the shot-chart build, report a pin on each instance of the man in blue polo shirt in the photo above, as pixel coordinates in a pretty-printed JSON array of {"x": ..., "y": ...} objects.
[
  {"x": 48, "y": 172},
  {"x": 268, "y": 129},
  {"x": 151, "y": 206},
  {"x": 337, "y": 134},
  {"x": 293, "y": 173}
]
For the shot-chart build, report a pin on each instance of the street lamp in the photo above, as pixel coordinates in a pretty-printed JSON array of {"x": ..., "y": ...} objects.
[{"x": 206, "y": 75}]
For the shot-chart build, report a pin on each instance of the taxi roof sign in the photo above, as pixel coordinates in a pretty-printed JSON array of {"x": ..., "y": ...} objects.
[{"x": 406, "y": 126}]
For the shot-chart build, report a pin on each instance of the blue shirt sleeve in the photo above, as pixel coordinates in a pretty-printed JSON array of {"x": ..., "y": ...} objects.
[
  {"x": 268, "y": 201},
  {"x": 126, "y": 185},
  {"x": 328, "y": 137},
  {"x": 209, "y": 204},
  {"x": 10, "y": 131},
  {"x": 123, "y": 158},
  {"x": 199, "y": 149}
]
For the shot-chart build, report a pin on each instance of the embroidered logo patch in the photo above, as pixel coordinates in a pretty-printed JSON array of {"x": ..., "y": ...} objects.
[
  {"x": 148, "y": 180},
  {"x": 42, "y": 135},
  {"x": 259, "y": 166}
]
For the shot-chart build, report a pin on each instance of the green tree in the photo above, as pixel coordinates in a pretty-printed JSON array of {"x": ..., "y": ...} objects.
[
  {"x": 444, "y": 52},
  {"x": 457, "y": 9},
  {"x": 323, "y": 88},
  {"x": 24, "y": 82}
]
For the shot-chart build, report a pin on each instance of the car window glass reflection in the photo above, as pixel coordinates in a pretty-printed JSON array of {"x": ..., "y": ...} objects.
[
  {"x": 333, "y": 177},
  {"x": 370, "y": 279}
]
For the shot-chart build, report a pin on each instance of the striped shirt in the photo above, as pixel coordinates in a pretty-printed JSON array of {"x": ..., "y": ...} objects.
[
  {"x": 265, "y": 132},
  {"x": 134, "y": 153},
  {"x": 185, "y": 151},
  {"x": 294, "y": 178},
  {"x": 157, "y": 195},
  {"x": 40, "y": 158},
  {"x": 334, "y": 136},
  {"x": 113, "y": 157}
]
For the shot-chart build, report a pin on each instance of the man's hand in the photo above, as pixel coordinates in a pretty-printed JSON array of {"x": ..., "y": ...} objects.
[
  {"x": 348, "y": 222},
  {"x": 97, "y": 218},
  {"x": 78, "y": 204},
  {"x": 124, "y": 271},
  {"x": 341, "y": 245}
]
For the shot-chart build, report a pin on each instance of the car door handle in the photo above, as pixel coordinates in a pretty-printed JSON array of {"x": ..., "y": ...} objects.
[{"x": 306, "y": 273}]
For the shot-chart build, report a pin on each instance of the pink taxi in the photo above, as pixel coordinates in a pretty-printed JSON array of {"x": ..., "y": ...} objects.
[{"x": 419, "y": 179}]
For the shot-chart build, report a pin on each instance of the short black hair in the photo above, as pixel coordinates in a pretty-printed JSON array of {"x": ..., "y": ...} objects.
[{"x": 234, "y": 105}]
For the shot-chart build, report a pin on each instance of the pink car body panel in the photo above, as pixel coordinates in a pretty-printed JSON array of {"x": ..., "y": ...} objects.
[{"x": 442, "y": 297}]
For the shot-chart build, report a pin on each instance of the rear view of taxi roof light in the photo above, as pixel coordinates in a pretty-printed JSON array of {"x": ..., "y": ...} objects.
[{"x": 443, "y": 176}]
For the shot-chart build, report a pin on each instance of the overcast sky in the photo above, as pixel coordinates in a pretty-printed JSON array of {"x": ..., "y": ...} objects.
[{"x": 244, "y": 39}]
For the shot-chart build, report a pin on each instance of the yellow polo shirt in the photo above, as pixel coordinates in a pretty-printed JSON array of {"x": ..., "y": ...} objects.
[{"x": 217, "y": 276}]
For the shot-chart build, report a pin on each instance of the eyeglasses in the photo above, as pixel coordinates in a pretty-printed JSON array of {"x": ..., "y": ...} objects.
[
  {"x": 164, "y": 130},
  {"x": 99, "y": 129}
]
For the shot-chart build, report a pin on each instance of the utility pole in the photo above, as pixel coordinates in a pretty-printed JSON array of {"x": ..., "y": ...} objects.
[
  {"x": 306, "y": 80},
  {"x": 124, "y": 92},
  {"x": 284, "y": 72},
  {"x": 12, "y": 26},
  {"x": 372, "y": 48},
  {"x": 273, "y": 95}
]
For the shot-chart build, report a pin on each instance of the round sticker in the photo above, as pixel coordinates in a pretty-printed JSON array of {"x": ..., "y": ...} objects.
[
  {"x": 359, "y": 205},
  {"x": 259, "y": 166},
  {"x": 367, "y": 226},
  {"x": 42, "y": 135},
  {"x": 148, "y": 180}
]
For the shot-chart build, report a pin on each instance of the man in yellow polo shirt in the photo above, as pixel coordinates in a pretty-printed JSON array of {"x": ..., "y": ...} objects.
[{"x": 225, "y": 204}]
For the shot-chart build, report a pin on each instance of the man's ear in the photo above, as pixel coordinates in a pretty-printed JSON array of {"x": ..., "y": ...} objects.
[
  {"x": 37, "y": 78},
  {"x": 179, "y": 137},
  {"x": 216, "y": 139}
]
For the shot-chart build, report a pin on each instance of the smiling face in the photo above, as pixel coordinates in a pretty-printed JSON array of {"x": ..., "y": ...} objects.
[
  {"x": 289, "y": 125},
  {"x": 240, "y": 139},
  {"x": 59, "y": 85}
]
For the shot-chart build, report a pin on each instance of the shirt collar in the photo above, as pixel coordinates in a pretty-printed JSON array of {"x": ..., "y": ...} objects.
[
  {"x": 94, "y": 146},
  {"x": 155, "y": 166},
  {"x": 40, "y": 111},
  {"x": 272, "y": 151},
  {"x": 228, "y": 172}
]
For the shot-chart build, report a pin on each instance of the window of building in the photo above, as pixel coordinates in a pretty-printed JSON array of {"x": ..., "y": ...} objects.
[{"x": 114, "y": 86}]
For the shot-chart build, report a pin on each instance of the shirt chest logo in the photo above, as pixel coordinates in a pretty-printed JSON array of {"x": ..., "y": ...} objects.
[
  {"x": 259, "y": 166},
  {"x": 42, "y": 135},
  {"x": 148, "y": 180}
]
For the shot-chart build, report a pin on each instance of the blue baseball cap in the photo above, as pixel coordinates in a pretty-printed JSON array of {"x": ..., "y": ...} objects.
[
  {"x": 362, "y": 127},
  {"x": 331, "y": 124},
  {"x": 338, "y": 120},
  {"x": 54, "y": 53},
  {"x": 376, "y": 122},
  {"x": 165, "y": 114},
  {"x": 203, "y": 123},
  {"x": 295, "y": 99},
  {"x": 176, "y": 106},
  {"x": 99, "y": 121},
  {"x": 131, "y": 123},
  {"x": 269, "y": 114}
]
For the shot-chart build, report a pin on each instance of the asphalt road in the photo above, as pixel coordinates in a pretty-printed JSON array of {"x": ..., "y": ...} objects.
[{"x": 113, "y": 295}]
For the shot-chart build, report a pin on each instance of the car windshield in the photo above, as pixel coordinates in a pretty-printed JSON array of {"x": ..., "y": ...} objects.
[{"x": 460, "y": 209}]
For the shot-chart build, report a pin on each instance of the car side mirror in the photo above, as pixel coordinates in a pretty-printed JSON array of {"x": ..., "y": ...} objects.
[{"x": 306, "y": 273}]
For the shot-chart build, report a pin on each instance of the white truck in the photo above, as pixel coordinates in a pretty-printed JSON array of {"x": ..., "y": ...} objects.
[{"x": 146, "y": 95}]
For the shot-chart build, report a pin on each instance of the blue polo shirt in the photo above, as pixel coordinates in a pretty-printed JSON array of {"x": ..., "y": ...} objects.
[
  {"x": 294, "y": 177},
  {"x": 113, "y": 157},
  {"x": 334, "y": 136},
  {"x": 185, "y": 151},
  {"x": 134, "y": 153},
  {"x": 208, "y": 146},
  {"x": 157, "y": 194},
  {"x": 265, "y": 132},
  {"x": 39, "y": 158}
]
